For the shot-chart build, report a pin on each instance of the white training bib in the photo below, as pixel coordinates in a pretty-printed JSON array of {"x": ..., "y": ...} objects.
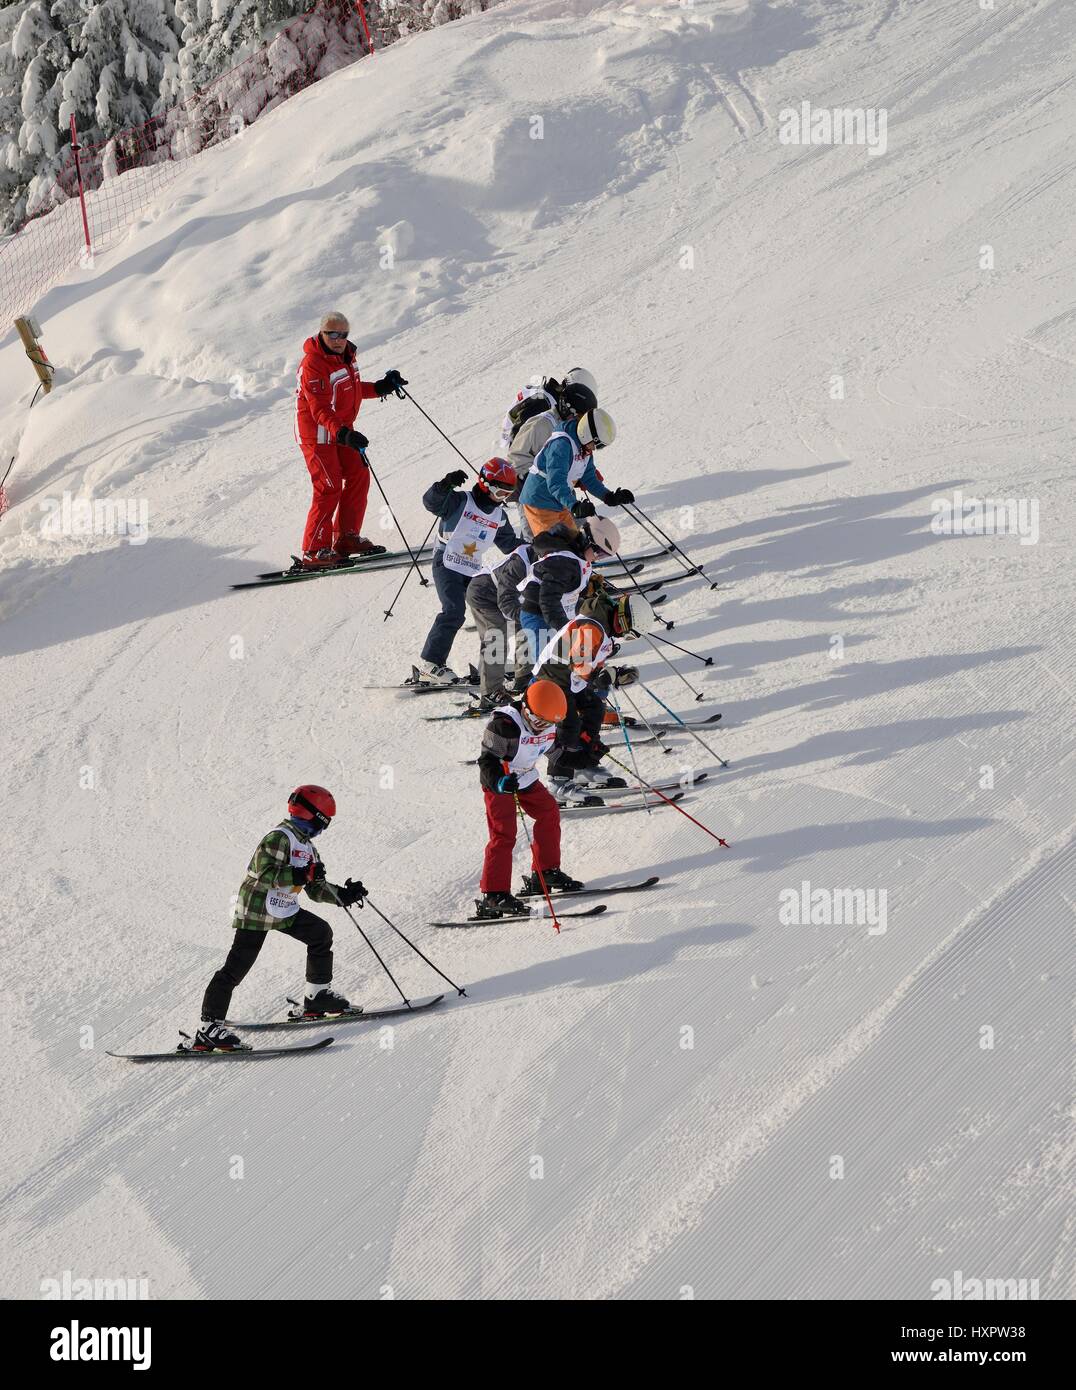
[
  {"x": 470, "y": 538},
  {"x": 578, "y": 465},
  {"x": 282, "y": 902},
  {"x": 531, "y": 747},
  {"x": 493, "y": 565},
  {"x": 549, "y": 652},
  {"x": 569, "y": 600}
]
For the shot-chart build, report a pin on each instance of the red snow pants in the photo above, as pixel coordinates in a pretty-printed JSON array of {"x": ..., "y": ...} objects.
[
  {"x": 501, "y": 817},
  {"x": 341, "y": 482}
]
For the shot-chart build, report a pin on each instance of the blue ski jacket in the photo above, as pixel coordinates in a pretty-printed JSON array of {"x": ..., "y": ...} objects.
[{"x": 553, "y": 492}]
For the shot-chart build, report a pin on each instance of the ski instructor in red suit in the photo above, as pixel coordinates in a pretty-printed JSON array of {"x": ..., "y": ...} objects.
[{"x": 328, "y": 394}]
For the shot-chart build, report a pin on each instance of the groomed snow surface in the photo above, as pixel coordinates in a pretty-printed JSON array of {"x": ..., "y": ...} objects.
[{"x": 805, "y": 348}]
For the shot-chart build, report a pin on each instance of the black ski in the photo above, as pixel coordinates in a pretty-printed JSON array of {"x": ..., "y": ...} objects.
[
  {"x": 351, "y": 1016},
  {"x": 663, "y": 726},
  {"x": 635, "y": 803},
  {"x": 530, "y": 917},
  {"x": 642, "y": 555},
  {"x": 239, "y": 1054},
  {"x": 391, "y": 560},
  {"x": 591, "y": 892},
  {"x": 383, "y": 556},
  {"x": 673, "y": 784}
]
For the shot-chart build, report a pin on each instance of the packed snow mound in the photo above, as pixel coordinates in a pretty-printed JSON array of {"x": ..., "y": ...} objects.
[{"x": 732, "y": 1088}]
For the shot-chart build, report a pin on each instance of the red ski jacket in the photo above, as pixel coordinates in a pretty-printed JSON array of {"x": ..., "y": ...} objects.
[{"x": 328, "y": 392}]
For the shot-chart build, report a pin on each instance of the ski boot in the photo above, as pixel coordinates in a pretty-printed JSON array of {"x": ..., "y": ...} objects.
[
  {"x": 321, "y": 560},
  {"x": 566, "y": 793},
  {"x": 325, "y": 1003},
  {"x": 432, "y": 674},
  {"x": 556, "y": 881},
  {"x": 598, "y": 778},
  {"x": 494, "y": 700},
  {"x": 214, "y": 1037},
  {"x": 492, "y": 906},
  {"x": 353, "y": 544}
]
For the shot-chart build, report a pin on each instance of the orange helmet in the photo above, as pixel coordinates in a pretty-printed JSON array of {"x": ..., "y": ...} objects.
[
  {"x": 584, "y": 643},
  {"x": 546, "y": 701}
]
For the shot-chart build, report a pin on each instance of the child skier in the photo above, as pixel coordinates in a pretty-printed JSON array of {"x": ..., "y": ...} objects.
[
  {"x": 470, "y": 522},
  {"x": 576, "y": 392},
  {"x": 557, "y": 578},
  {"x": 493, "y": 601},
  {"x": 513, "y": 741},
  {"x": 283, "y": 866},
  {"x": 575, "y": 660},
  {"x": 548, "y": 496}
]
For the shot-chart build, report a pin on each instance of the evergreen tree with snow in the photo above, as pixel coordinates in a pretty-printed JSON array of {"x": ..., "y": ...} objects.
[
  {"x": 115, "y": 77},
  {"x": 34, "y": 58}
]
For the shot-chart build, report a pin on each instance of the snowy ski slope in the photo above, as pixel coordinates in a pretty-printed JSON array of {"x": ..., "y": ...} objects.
[{"x": 805, "y": 347}]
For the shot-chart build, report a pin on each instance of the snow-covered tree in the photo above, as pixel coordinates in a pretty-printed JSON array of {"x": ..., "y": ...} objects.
[
  {"x": 33, "y": 61},
  {"x": 114, "y": 80}
]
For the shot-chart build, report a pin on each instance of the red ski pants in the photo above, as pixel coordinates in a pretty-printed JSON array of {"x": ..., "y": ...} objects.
[
  {"x": 341, "y": 481},
  {"x": 501, "y": 817}
]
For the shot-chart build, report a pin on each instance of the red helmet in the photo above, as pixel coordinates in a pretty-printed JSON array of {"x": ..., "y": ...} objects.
[
  {"x": 309, "y": 802},
  {"x": 499, "y": 478}
]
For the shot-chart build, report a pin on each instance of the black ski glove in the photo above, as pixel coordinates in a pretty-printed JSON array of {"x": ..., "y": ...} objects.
[
  {"x": 508, "y": 783},
  {"x": 454, "y": 479},
  {"x": 390, "y": 382},
  {"x": 351, "y": 893},
  {"x": 583, "y": 509},
  {"x": 351, "y": 439},
  {"x": 602, "y": 680},
  {"x": 619, "y": 496}
]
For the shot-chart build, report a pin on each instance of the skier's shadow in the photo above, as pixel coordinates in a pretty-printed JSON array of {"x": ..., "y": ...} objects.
[{"x": 611, "y": 964}]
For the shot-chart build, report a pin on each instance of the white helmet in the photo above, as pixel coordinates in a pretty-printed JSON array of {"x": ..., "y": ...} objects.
[
  {"x": 596, "y": 427},
  {"x": 579, "y": 376},
  {"x": 602, "y": 534},
  {"x": 633, "y": 616}
]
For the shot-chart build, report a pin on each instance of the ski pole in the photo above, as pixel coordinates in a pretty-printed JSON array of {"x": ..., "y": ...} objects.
[
  {"x": 631, "y": 750},
  {"x": 458, "y": 988},
  {"x": 534, "y": 852},
  {"x": 697, "y": 693},
  {"x": 669, "y": 547},
  {"x": 672, "y": 803},
  {"x": 665, "y": 747},
  {"x": 684, "y": 724},
  {"x": 373, "y": 948},
  {"x": 665, "y": 624},
  {"x": 706, "y": 660},
  {"x": 439, "y": 430},
  {"x": 414, "y": 559},
  {"x": 633, "y": 509},
  {"x": 407, "y": 576}
]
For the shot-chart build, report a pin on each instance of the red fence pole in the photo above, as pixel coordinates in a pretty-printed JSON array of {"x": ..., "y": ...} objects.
[
  {"x": 361, "y": 9},
  {"x": 75, "y": 146}
]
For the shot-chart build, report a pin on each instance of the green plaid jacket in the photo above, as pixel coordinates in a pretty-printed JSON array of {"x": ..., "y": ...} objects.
[{"x": 269, "y": 868}]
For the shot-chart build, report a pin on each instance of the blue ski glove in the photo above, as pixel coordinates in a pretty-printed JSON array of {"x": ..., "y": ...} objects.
[{"x": 508, "y": 783}]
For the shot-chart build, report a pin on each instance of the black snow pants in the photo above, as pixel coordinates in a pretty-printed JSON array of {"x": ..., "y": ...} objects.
[{"x": 314, "y": 932}]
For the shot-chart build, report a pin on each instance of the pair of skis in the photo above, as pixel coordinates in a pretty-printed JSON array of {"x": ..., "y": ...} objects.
[
  {"x": 556, "y": 896},
  {"x": 390, "y": 560},
  {"x": 358, "y": 1015}
]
